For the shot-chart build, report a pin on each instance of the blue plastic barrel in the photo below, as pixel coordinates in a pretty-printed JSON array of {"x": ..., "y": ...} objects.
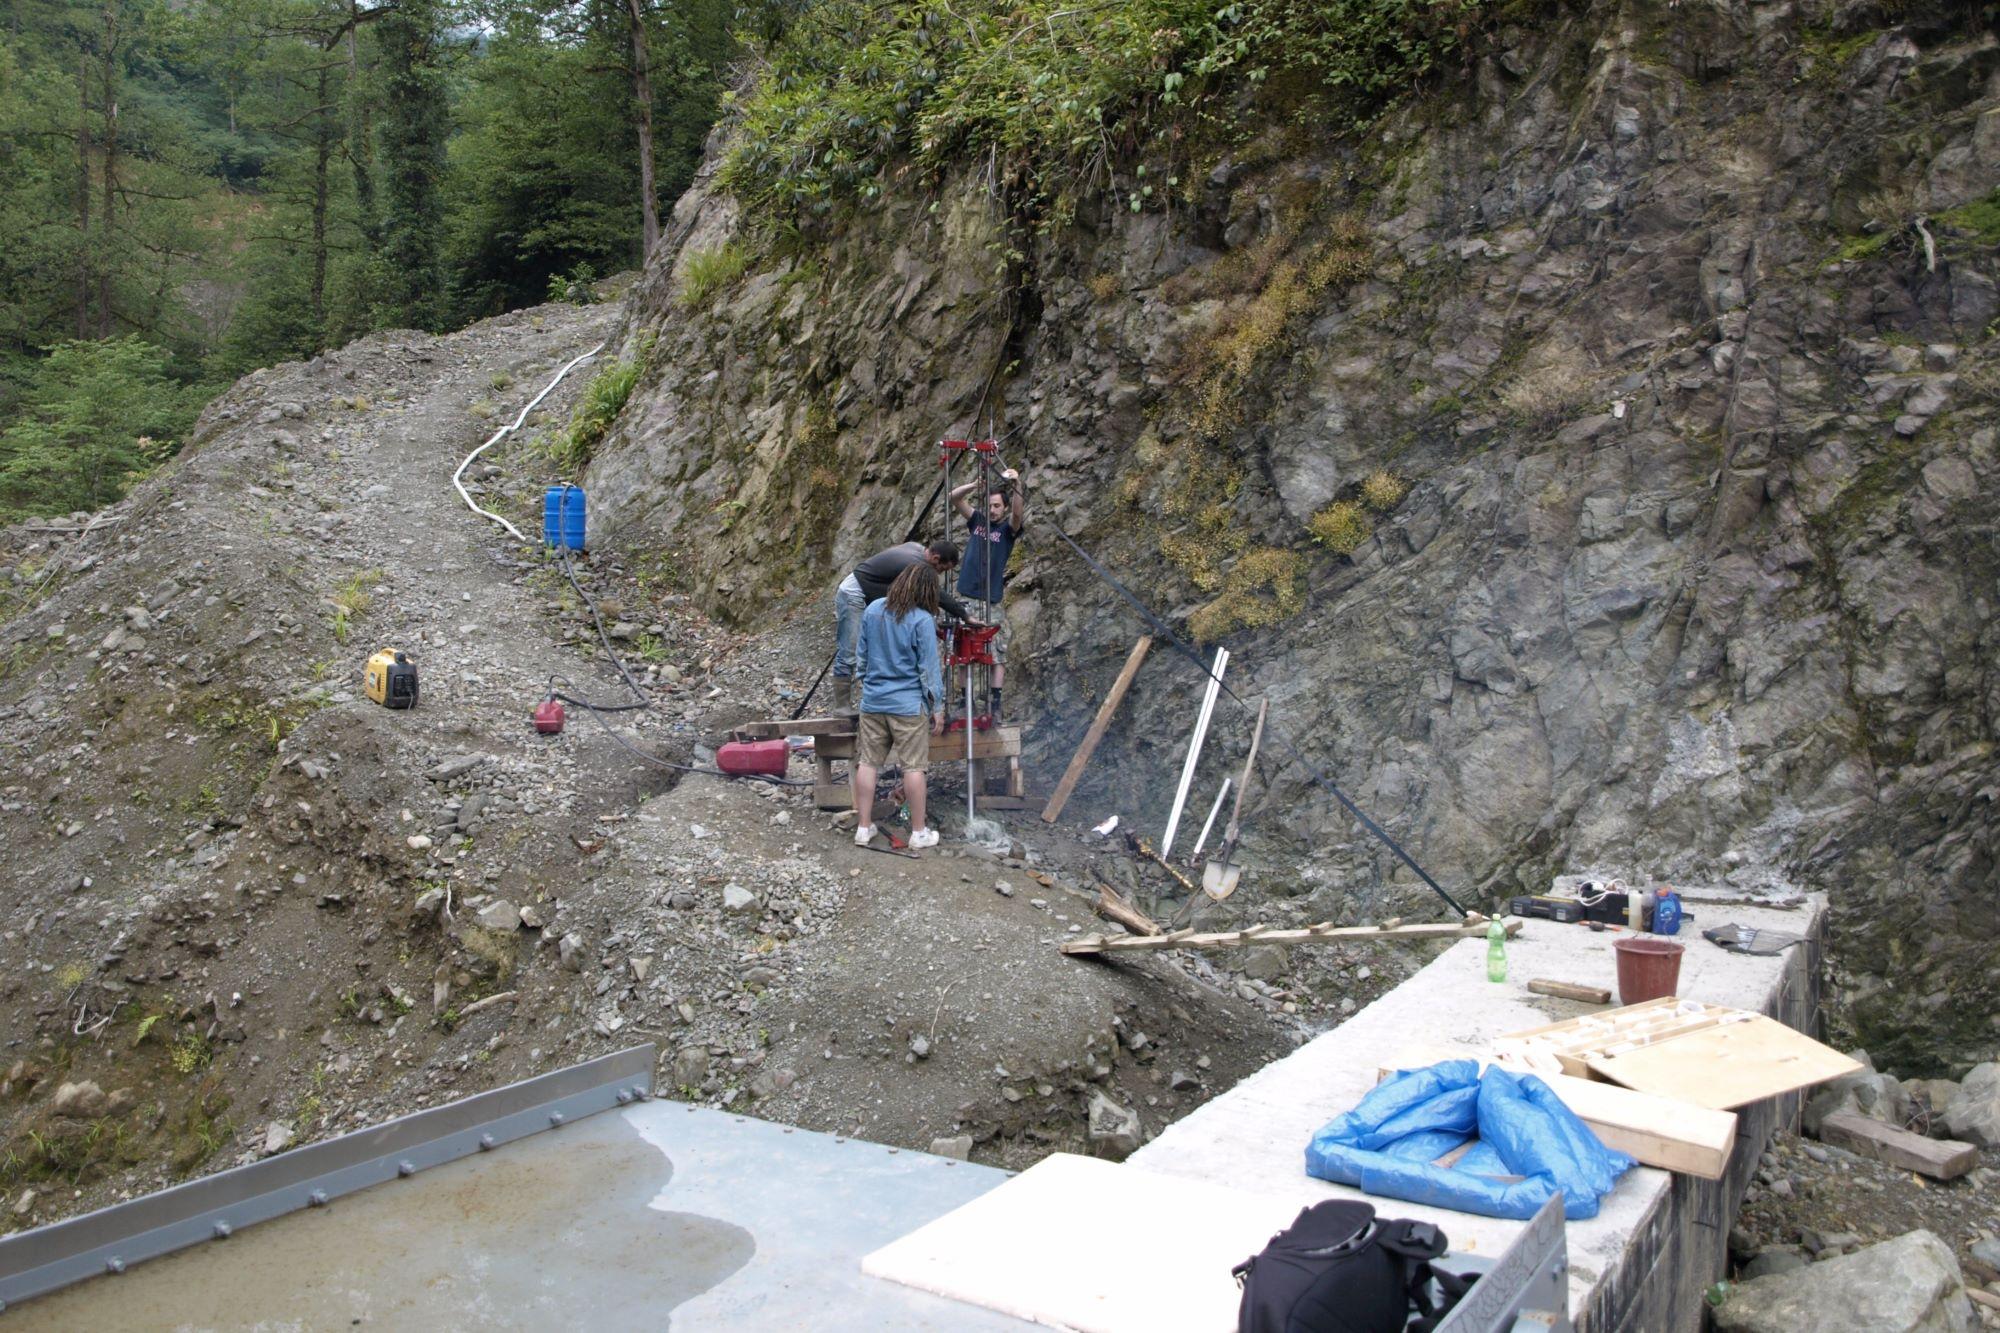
[{"x": 562, "y": 517}]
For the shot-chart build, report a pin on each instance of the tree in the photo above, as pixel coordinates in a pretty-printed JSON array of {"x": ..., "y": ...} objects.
[
  {"x": 550, "y": 167},
  {"x": 416, "y": 118},
  {"x": 93, "y": 417}
]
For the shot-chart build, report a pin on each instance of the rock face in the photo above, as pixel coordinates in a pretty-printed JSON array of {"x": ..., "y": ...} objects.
[
  {"x": 1907, "y": 1285},
  {"x": 1686, "y": 558},
  {"x": 1974, "y": 1113}
]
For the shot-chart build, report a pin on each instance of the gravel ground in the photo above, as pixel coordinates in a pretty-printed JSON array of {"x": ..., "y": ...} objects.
[{"x": 252, "y": 908}]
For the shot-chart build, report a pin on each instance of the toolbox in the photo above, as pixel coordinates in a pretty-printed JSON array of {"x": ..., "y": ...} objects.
[{"x": 1547, "y": 907}]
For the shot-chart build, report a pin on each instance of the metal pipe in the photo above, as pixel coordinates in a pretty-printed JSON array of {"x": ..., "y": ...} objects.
[{"x": 1194, "y": 749}]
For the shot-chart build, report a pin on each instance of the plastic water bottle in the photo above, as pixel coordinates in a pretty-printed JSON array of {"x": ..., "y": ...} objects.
[{"x": 1496, "y": 952}]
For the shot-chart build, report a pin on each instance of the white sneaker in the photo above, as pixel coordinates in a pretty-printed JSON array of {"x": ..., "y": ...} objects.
[
  {"x": 865, "y": 835},
  {"x": 922, "y": 838}
]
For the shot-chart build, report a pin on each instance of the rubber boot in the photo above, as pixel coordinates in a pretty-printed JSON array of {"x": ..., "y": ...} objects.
[{"x": 843, "y": 695}]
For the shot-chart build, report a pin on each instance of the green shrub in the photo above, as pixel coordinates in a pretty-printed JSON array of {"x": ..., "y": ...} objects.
[
  {"x": 1342, "y": 526},
  {"x": 603, "y": 399},
  {"x": 1981, "y": 217},
  {"x": 1382, "y": 490},
  {"x": 1242, "y": 603},
  {"x": 1056, "y": 96},
  {"x": 575, "y": 287},
  {"x": 710, "y": 271}
]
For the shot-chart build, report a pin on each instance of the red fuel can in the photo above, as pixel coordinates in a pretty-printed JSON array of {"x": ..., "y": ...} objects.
[{"x": 745, "y": 758}]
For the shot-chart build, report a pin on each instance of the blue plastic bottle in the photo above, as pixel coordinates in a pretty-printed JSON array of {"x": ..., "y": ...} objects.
[
  {"x": 563, "y": 517},
  {"x": 1666, "y": 913}
]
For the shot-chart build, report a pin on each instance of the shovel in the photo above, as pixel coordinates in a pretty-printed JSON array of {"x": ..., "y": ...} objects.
[{"x": 1220, "y": 873}]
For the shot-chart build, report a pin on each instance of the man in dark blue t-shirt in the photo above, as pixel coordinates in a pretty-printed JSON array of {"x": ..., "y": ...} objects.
[{"x": 990, "y": 538}]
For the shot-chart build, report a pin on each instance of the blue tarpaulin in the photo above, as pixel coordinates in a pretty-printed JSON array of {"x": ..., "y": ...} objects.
[{"x": 1526, "y": 1144}]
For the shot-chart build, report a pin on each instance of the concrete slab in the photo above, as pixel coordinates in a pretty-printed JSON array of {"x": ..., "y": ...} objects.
[
  {"x": 661, "y": 1214},
  {"x": 1659, "y": 1239},
  {"x": 1082, "y": 1244}
]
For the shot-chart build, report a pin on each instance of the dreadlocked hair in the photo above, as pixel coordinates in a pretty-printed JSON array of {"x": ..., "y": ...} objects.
[{"x": 915, "y": 589}]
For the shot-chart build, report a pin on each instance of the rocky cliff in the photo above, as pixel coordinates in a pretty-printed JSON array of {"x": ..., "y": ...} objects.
[{"x": 1593, "y": 462}]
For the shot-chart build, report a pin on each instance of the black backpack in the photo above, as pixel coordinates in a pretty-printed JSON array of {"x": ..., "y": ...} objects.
[{"x": 1339, "y": 1269}]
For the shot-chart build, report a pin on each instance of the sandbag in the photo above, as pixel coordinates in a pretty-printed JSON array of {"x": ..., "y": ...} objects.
[{"x": 1528, "y": 1144}]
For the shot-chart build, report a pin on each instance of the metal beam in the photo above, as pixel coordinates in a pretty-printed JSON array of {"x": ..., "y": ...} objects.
[
  {"x": 1525, "y": 1290},
  {"x": 112, "y": 1239}
]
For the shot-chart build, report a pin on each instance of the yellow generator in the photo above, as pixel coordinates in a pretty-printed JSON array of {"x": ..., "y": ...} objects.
[{"x": 391, "y": 679}]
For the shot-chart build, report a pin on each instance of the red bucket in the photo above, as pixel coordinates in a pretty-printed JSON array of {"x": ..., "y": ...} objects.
[{"x": 1647, "y": 969}]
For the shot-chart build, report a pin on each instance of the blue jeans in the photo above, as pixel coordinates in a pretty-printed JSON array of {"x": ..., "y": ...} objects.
[{"x": 848, "y": 604}]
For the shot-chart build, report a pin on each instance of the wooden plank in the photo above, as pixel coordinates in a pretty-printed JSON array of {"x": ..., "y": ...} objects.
[
  {"x": 802, "y": 726},
  {"x": 998, "y": 743},
  {"x": 1229, "y": 939},
  {"x": 1941, "y": 1159},
  {"x": 1655, "y": 1131},
  {"x": 1569, "y": 990},
  {"x": 1060, "y": 796},
  {"x": 1666, "y": 1132},
  {"x": 988, "y": 801},
  {"x": 1115, "y": 908},
  {"x": 1728, "y": 1065}
]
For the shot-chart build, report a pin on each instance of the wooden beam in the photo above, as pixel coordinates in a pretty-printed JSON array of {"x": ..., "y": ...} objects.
[
  {"x": 798, "y": 726},
  {"x": 1941, "y": 1159},
  {"x": 1569, "y": 990},
  {"x": 998, "y": 743},
  {"x": 1473, "y": 924},
  {"x": 1060, "y": 796},
  {"x": 1112, "y": 907}
]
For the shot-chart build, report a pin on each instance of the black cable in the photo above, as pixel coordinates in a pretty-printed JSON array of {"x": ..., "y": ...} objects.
[
  {"x": 1161, "y": 628},
  {"x": 569, "y": 572},
  {"x": 597, "y": 710},
  {"x": 658, "y": 762}
]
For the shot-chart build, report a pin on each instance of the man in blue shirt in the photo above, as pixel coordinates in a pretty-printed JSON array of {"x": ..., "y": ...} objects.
[
  {"x": 982, "y": 573},
  {"x": 902, "y": 697}
]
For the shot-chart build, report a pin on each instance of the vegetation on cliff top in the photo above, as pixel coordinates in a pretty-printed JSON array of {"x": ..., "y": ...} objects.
[{"x": 1051, "y": 99}]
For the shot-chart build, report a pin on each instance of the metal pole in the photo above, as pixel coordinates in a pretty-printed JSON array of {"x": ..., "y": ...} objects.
[
  {"x": 970, "y": 811},
  {"x": 1194, "y": 749}
]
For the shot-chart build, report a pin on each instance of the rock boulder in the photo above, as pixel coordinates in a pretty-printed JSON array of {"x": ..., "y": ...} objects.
[
  {"x": 1974, "y": 1113},
  {"x": 1907, "y": 1285}
]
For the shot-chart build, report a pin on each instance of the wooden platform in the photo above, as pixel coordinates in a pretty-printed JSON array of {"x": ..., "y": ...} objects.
[{"x": 833, "y": 738}]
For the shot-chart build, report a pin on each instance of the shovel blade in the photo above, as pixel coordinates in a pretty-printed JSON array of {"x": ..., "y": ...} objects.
[{"x": 1218, "y": 878}]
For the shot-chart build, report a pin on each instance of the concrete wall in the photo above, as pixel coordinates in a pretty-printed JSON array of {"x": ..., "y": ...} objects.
[{"x": 1659, "y": 1239}]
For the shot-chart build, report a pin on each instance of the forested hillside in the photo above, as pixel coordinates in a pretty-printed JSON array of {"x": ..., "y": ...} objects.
[{"x": 191, "y": 189}]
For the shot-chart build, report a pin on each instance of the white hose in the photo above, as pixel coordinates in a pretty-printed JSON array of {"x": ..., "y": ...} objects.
[{"x": 509, "y": 429}]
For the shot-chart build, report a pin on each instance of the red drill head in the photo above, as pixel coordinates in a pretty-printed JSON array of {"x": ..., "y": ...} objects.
[{"x": 549, "y": 717}]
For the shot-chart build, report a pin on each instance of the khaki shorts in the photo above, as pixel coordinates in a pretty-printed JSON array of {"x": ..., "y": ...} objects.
[{"x": 885, "y": 739}]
